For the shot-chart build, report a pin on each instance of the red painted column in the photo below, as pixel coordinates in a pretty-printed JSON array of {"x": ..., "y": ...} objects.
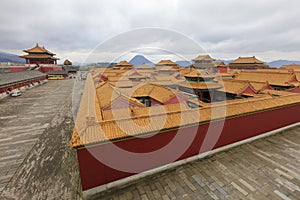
[{"x": 201, "y": 95}]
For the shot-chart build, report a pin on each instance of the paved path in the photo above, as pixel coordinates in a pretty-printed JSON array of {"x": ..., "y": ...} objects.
[
  {"x": 264, "y": 169},
  {"x": 22, "y": 121}
]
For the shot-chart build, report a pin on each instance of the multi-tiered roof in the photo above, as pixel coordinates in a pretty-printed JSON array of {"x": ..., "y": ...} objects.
[{"x": 39, "y": 55}]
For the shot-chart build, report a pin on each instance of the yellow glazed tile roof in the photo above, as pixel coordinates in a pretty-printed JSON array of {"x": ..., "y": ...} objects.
[
  {"x": 155, "y": 91},
  {"x": 203, "y": 57},
  {"x": 277, "y": 92},
  {"x": 106, "y": 94},
  {"x": 166, "y": 62},
  {"x": 241, "y": 60},
  {"x": 220, "y": 64},
  {"x": 38, "y": 49},
  {"x": 200, "y": 85},
  {"x": 291, "y": 66},
  {"x": 122, "y": 128},
  {"x": 124, "y": 63},
  {"x": 94, "y": 124},
  {"x": 274, "y": 78},
  {"x": 142, "y": 111},
  {"x": 234, "y": 86}
]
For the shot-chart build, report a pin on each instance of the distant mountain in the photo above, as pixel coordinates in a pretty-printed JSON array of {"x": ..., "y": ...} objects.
[
  {"x": 279, "y": 63},
  {"x": 11, "y": 58},
  {"x": 139, "y": 60},
  {"x": 183, "y": 63}
]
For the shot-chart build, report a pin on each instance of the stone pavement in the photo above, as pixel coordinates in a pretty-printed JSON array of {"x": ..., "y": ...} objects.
[
  {"x": 268, "y": 168},
  {"x": 36, "y": 160}
]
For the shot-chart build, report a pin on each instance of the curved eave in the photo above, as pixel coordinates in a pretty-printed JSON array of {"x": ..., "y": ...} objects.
[
  {"x": 201, "y": 86},
  {"x": 38, "y": 57}
]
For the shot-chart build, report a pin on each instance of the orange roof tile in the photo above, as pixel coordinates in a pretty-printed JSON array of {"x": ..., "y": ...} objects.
[
  {"x": 166, "y": 62},
  {"x": 38, "y": 49},
  {"x": 144, "y": 66},
  {"x": 137, "y": 125},
  {"x": 123, "y": 84},
  {"x": 274, "y": 70},
  {"x": 155, "y": 91},
  {"x": 167, "y": 68},
  {"x": 277, "y": 92},
  {"x": 142, "y": 111},
  {"x": 200, "y": 85},
  {"x": 198, "y": 73},
  {"x": 259, "y": 86},
  {"x": 39, "y": 56},
  {"x": 124, "y": 62},
  {"x": 147, "y": 72},
  {"x": 117, "y": 78},
  {"x": 106, "y": 94},
  {"x": 297, "y": 75},
  {"x": 67, "y": 62},
  {"x": 220, "y": 64},
  {"x": 203, "y": 57},
  {"x": 123, "y": 65},
  {"x": 274, "y": 78},
  {"x": 225, "y": 75},
  {"x": 291, "y": 66},
  {"x": 235, "y": 86},
  {"x": 242, "y": 60},
  {"x": 165, "y": 78}
]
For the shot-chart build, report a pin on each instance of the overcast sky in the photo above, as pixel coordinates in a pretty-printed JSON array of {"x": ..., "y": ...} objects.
[{"x": 226, "y": 29}]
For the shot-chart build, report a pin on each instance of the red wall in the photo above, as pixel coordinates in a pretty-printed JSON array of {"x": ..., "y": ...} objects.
[
  {"x": 20, "y": 84},
  {"x": 154, "y": 102},
  {"x": 121, "y": 103},
  {"x": 47, "y": 69},
  {"x": 18, "y": 69},
  {"x": 222, "y": 69},
  {"x": 248, "y": 90},
  {"x": 295, "y": 90},
  {"x": 178, "y": 98},
  {"x": 41, "y": 62},
  {"x": 95, "y": 173}
]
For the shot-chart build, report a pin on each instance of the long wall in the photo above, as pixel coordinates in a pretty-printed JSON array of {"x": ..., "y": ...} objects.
[
  {"x": 95, "y": 173},
  {"x": 20, "y": 84}
]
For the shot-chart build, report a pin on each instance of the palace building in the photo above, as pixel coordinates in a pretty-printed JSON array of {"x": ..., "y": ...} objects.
[
  {"x": 123, "y": 65},
  {"x": 39, "y": 55},
  {"x": 144, "y": 116},
  {"x": 142, "y": 109},
  {"x": 204, "y": 62},
  {"x": 164, "y": 63},
  {"x": 247, "y": 63},
  {"x": 278, "y": 80}
]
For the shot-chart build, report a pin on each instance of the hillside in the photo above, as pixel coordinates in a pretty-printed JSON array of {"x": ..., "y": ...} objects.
[
  {"x": 139, "y": 60},
  {"x": 11, "y": 58},
  {"x": 183, "y": 63},
  {"x": 279, "y": 63}
]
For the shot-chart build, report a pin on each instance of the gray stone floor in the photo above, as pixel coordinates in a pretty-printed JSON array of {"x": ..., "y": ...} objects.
[
  {"x": 268, "y": 168},
  {"x": 23, "y": 119}
]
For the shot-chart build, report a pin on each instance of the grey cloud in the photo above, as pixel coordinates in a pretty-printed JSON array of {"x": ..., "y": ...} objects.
[{"x": 231, "y": 27}]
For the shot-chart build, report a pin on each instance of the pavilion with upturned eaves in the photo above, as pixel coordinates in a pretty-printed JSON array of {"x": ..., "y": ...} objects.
[{"x": 39, "y": 55}]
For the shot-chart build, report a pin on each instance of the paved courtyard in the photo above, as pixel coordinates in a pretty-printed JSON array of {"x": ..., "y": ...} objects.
[
  {"x": 268, "y": 168},
  {"x": 22, "y": 121}
]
